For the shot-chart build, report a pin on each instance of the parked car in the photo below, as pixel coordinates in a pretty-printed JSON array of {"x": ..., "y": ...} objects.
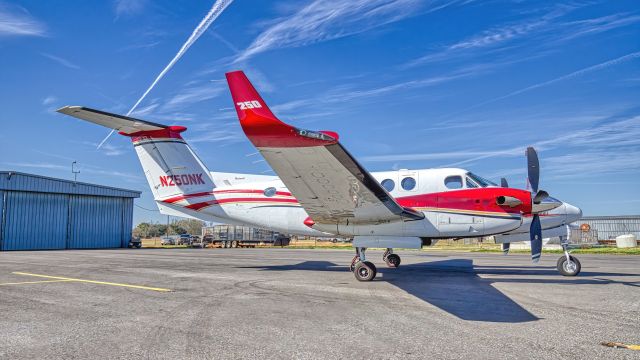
[
  {"x": 135, "y": 242},
  {"x": 166, "y": 240},
  {"x": 184, "y": 239}
]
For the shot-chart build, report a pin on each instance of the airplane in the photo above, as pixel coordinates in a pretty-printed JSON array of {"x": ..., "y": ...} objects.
[{"x": 321, "y": 189}]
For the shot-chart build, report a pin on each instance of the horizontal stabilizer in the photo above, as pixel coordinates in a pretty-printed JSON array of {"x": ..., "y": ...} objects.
[{"x": 121, "y": 123}]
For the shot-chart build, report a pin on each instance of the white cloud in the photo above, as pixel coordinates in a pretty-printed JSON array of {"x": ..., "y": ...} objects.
[
  {"x": 49, "y": 100},
  {"x": 193, "y": 95},
  {"x": 545, "y": 31},
  {"x": 594, "y": 68},
  {"x": 129, "y": 7},
  {"x": 607, "y": 147},
  {"x": 61, "y": 61},
  {"x": 326, "y": 20},
  {"x": 16, "y": 21},
  {"x": 218, "y": 136}
]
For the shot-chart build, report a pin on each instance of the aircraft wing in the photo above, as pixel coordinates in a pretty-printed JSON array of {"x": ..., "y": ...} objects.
[
  {"x": 125, "y": 124},
  {"x": 327, "y": 181}
]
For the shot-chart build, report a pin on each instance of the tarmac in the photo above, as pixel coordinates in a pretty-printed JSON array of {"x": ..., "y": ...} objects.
[{"x": 305, "y": 304}]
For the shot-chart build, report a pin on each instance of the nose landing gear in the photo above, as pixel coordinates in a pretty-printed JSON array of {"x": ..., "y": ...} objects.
[{"x": 568, "y": 265}]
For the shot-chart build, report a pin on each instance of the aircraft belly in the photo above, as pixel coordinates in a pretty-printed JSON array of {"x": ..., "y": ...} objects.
[
  {"x": 459, "y": 225},
  {"x": 416, "y": 228}
]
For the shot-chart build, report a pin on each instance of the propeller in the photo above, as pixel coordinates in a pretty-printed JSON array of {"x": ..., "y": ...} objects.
[
  {"x": 535, "y": 231},
  {"x": 504, "y": 183}
]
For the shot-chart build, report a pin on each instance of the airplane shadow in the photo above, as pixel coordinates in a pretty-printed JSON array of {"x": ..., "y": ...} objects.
[{"x": 454, "y": 285}]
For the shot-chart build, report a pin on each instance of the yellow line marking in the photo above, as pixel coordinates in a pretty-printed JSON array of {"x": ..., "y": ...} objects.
[
  {"x": 621, "y": 345},
  {"x": 33, "y": 282},
  {"x": 93, "y": 282}
]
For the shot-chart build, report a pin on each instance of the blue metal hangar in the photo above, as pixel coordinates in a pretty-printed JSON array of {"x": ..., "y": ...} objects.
[{"x": 45, "y": 213}]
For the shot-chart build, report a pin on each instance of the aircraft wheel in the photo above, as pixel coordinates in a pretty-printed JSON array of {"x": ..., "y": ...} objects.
[
  {"x": 365, "y": 271},
  {"x": 225, "y": 244},
  {"x": 392, "y": 260},
  {"x": 234, "y": 244},
  {"x": 569, "y": 268}
]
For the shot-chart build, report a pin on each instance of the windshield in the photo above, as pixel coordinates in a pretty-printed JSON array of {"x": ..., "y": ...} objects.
[{"x": 480, "y": 180}]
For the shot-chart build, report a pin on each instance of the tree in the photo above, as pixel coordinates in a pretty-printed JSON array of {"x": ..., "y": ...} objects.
[{"x": 190, "y": 226}]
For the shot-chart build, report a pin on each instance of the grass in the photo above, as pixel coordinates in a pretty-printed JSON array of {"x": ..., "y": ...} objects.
[
  {"x": 487, "y": 248},
  {"x": 593, "y": 250}
]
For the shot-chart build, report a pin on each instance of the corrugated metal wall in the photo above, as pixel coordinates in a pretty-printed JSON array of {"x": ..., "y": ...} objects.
[
  {"x": 17, "y": 181},
  {"x": 95, "y": 222},
  {"x": 40, "y": 212},
  {"x": 127, "y": 221},
  {"x": 1, "y": 218},
  {"x": 34, "y": 221}
]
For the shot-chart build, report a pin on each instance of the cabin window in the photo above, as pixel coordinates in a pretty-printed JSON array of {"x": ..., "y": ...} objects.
[
  {"x": 269, "y": 192},
  {"x": 408, "y": 183},
  {"x": 388, "y": 184},
  {"x": 453, "y": 182}
]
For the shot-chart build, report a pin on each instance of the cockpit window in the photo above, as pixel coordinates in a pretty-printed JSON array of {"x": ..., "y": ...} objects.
[
  {"x": 471, "y": 184},
  {"x": 453, "y": 182},
  {"x": 479, "y": 180}
]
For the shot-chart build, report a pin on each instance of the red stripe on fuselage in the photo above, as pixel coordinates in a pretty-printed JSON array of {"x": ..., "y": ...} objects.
[
  {"x": 204, "y": 204},
  {"x": 187, "y": 196},
  {"x": 483, "y": 199},
  {"x": 283, "y": 193}
]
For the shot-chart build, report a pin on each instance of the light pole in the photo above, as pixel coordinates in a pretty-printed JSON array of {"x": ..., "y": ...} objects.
[{"x": 74, "y": 171}]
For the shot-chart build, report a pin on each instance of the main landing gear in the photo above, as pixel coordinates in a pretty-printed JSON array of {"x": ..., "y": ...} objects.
[
  {"x": 568, "y": 265},
  {"x": 364, "y": 270},
  {"x": 392, "y": 260}
]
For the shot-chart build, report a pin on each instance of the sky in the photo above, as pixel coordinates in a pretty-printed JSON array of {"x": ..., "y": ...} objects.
[{"x": 406, "y": 83}]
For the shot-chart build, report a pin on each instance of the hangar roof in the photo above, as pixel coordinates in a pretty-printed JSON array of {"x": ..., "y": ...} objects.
[{"x": 18, "y": 181}]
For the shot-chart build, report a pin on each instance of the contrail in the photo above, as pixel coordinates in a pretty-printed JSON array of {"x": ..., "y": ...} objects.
[
  {"x": 574, "y": 74},
  {"x": 218, "y": 7}
]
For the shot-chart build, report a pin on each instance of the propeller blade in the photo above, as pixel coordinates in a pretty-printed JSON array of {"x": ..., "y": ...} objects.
[
  {"x": 504, "y": 183},
  {"x": 533, "y": 169},
  {"x": 535, "y": 234},
  {"x": 505, "y": 248}
]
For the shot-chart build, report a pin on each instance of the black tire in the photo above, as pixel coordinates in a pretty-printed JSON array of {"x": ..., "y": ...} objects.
[
  {"x": 234, "y": 244},
  {"x": 138, "y": 245},
  {"x": 565, "y": 269},
  {"x": 392, "y": 261},
  {"x": 365, "y": 271}
]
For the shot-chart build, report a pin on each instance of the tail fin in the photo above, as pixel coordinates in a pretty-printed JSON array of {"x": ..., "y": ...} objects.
[
  {"x": 171, "y": 167},
  {"x": 261, "y": 126}
]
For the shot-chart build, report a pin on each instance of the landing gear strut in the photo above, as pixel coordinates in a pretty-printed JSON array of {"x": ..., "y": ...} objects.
[
  {"x": 392, "y": 260},
  {"x": 362, "y": 269},
  {"x": 568, "y": 265}
]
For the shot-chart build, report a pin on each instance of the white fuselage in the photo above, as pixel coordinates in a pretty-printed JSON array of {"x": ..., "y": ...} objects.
[{"x": 264, "y": 201}]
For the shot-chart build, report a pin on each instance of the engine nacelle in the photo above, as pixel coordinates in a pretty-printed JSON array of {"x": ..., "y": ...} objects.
[{"x": 509, "y": 201}]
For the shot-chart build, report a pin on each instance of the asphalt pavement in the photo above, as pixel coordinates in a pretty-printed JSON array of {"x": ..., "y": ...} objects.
[{"x": 305, "y": 304}]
